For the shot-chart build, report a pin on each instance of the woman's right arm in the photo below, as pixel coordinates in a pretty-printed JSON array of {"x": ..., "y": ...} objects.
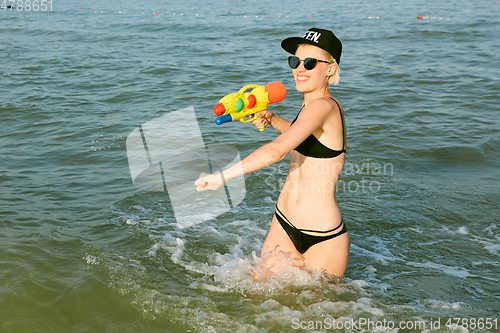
[{"x": 272, "y": 119}]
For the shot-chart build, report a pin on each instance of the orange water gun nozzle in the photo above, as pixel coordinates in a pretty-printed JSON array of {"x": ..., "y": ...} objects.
[{"x": 219, "y": 109}]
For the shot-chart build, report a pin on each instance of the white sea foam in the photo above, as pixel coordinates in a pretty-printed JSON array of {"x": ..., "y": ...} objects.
[
  {"x": 444, "y": 304},
  {"x": 227, "y": 267},
  {"x": 381, "y": 258},
  {"x": 461, "y": 230},
  {"x": 91, "y": 260},
  {"x": 491, "y": 243},
  {"x": 494, "y": 249},
  {"x": 131, "y": 222},
  {"x": 234, "y": 276},
  {"x": 449, "y": 270},
  {"x": 490, "y": 231},
  {"x": 370, "y": 270},
  {"x": 433, "y": 306},
  {"x": 416, "y": 229},
  {"x": 281, "y": 307}
]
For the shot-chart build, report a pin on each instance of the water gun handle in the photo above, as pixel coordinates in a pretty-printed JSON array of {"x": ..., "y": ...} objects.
[{"x": 252, "y": 119}]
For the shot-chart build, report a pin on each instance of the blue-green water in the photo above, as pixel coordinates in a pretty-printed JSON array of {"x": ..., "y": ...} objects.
[{"x": 81, "y": 250}]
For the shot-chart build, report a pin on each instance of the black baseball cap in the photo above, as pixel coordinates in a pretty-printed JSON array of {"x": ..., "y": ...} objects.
[{"x": 322, "y": 38}]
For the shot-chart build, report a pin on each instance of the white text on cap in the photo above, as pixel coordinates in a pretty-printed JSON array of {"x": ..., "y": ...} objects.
[{"x": 312, "y": 36}]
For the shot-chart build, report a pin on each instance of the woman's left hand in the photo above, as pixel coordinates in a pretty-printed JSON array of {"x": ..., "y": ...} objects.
[{"x": 208, "y": 181}]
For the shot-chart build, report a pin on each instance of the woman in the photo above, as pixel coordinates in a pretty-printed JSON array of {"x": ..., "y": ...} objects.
[{"x": 307, "y": 226}]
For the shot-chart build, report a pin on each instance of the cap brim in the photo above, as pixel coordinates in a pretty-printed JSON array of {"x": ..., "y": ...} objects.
[{"x": 292, "y": 43}]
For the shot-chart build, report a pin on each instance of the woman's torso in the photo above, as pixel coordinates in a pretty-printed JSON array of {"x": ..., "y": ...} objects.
[{"x": 308, "y": 195}]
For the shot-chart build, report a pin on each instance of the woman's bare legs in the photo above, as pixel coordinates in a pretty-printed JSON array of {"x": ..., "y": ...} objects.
[
  {"x": 330, "y": 256},
  {"x": 278, "y": 252}
]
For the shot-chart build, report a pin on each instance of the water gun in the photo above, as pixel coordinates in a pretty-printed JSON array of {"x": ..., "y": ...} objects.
[{"x": 242, "y": 104}]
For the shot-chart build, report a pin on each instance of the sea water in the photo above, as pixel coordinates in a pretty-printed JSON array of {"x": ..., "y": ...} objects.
[{"x": 82, "y": 250}]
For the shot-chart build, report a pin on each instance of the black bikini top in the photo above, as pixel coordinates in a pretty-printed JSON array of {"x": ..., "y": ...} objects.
[{"x": 311, "y": 146}]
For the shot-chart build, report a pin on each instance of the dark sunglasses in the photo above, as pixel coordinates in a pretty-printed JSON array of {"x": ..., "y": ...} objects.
[{"x": 309, "y": 63}]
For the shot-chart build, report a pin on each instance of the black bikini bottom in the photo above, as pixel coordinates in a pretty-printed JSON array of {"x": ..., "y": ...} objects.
[{"x": 301, "y": 240}]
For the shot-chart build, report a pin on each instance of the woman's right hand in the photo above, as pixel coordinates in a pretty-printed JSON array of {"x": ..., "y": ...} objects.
[
  {"x": 264, "y": 119},
  {"x": 208, "y": 181}
]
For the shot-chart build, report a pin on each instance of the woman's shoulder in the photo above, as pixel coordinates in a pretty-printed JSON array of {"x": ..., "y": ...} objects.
[{"x": 324, "y": 105}]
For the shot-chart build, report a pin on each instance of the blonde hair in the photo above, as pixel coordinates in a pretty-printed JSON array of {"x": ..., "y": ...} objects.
[{"x": 335, "y": 78}]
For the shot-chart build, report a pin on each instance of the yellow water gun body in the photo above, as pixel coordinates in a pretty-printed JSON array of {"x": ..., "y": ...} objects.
[{"x": 247, "y": 104}]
